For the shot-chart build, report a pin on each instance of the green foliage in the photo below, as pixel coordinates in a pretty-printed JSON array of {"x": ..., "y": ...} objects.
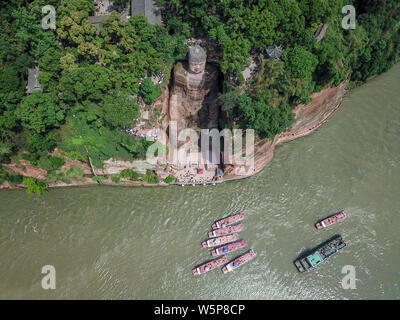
[
  {"x": 84, "y": 83},
  {"x": 306, "y": 65},
  {"x": 130, "y": 174},
  {"x": 32, "y": 158},
  {"x": 150, "y": 177},
  {"x": 74, "y": 171},
  {"x": 300, "y": 62},
  {"x": 35, "y": 186},
  {"x": 150, "y": 91},
  {"x": 56, "y": 162},
  {"x": 378, "y": 43},
  {"x": 98, "y": 179},
  {"x": 169, "y": 179},
  {"x": 116, "y": 178},
  {"x": 90, "y": 131},
  {"x": 74, "y": 155},
  {"x": 257, "y": 114},
  {"x": 14, "y": 178},
  {"x": 119, "y": 109},
  {"x": 39, "y": 144},
  {"x": 39, "y": 112}
]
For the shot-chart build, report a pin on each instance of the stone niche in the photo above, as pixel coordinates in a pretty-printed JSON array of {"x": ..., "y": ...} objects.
[{"x": 194, "y": 92}]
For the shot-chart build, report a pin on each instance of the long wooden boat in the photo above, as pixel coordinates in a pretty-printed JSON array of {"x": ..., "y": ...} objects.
[
  {"x": 337, "y": 217},
  {"x": 230, "y": 247},
  {"x": 239, "y": 261},
  {"x": 226, "y": 230},
  {"x": 228, "y": 220},
  {"x": 209, "y": 265},
  {"x": 219, "y": 241}
]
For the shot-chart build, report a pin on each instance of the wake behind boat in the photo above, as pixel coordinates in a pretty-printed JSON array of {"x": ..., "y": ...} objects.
[
  {"x": 337, "y": 217},
  {"x": 239, "y": 261},
  {"x": 219, "y": 241},
  {"x": 210, "y": 265},
  {"x": 230, "y": 247},
  {"x": 226, "y": 230},
  {"x": 228, "y": 221}
]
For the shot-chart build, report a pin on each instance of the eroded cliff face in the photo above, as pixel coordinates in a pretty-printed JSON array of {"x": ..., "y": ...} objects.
[{"x": 308, "y": 118}]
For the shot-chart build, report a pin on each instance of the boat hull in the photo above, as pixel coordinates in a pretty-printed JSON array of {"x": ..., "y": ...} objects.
[
  {"x": 230, "y": 247},
  {"x": 228, "y": 220},
  {"x": 239, "y": 261},
  {"x": 225, "y": 231},
  {"x": 210, "y": 265},
  {"x": 214, "y": 242},
  {"x": 328, "y": 221},
  {"x": 320, "y": 254}
]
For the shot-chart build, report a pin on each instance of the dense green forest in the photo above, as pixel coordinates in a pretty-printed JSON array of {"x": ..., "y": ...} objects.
[
  {"x": 89, "y": 78},
  {"x": 241, "y": 26}
]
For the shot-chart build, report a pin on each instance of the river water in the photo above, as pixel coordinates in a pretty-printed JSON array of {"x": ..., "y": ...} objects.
[{"x": 141, "y": 243}]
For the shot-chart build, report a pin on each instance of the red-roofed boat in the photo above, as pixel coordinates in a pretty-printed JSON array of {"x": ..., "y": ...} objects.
[
  {"x": 339, "y": 216},
  {"x": 210, "y": 265},
  {"x": 219, "y": 241},
  {"x": 230, "y": 247},
  {"x": 228, "y": 220},
  {"x": 239, "y": 261},
  {"x": 226, "y": 230}
]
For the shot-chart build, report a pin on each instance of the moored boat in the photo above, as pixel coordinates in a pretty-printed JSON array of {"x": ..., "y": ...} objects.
[
  {"x": 226, "y": 230},
  {"x": 210, "y": 265},
  {"x": 339, "y": 216},
  {"x": 320, "y": 254},
  {"x": 228, "y": 221},
  {"x": 230, "y": 247},
  {"x": 239, "y": 261},
  {"x": 219, "y": 241}
]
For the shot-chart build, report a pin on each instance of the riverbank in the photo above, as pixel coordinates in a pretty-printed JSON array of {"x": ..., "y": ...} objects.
[{"x": 308, "y": 118}]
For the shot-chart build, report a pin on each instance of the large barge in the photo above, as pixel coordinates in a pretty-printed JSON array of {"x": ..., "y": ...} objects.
[{"x": 320, "y": 254}]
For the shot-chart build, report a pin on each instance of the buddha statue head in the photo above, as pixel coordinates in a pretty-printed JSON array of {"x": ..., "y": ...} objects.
[{"x": 197, "y": 59}]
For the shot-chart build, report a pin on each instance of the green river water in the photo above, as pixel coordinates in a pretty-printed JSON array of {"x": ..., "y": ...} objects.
[{"x": 141, "y": 243}]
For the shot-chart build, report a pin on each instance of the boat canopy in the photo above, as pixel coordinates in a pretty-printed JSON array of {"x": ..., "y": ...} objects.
[{"x": 314, "y": 258}]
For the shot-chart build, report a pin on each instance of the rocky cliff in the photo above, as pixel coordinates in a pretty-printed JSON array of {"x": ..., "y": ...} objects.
[{"x": 308, "y": 118}]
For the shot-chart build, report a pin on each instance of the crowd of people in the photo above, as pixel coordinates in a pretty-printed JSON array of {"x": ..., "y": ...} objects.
[
  {"x": 201, "y": 42},
  {"x": 159, "y": 77},
  {"x": 136, "y": 132},
  {"x": 192, "y": 176},
  {"x": 104, "y": 7}
]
